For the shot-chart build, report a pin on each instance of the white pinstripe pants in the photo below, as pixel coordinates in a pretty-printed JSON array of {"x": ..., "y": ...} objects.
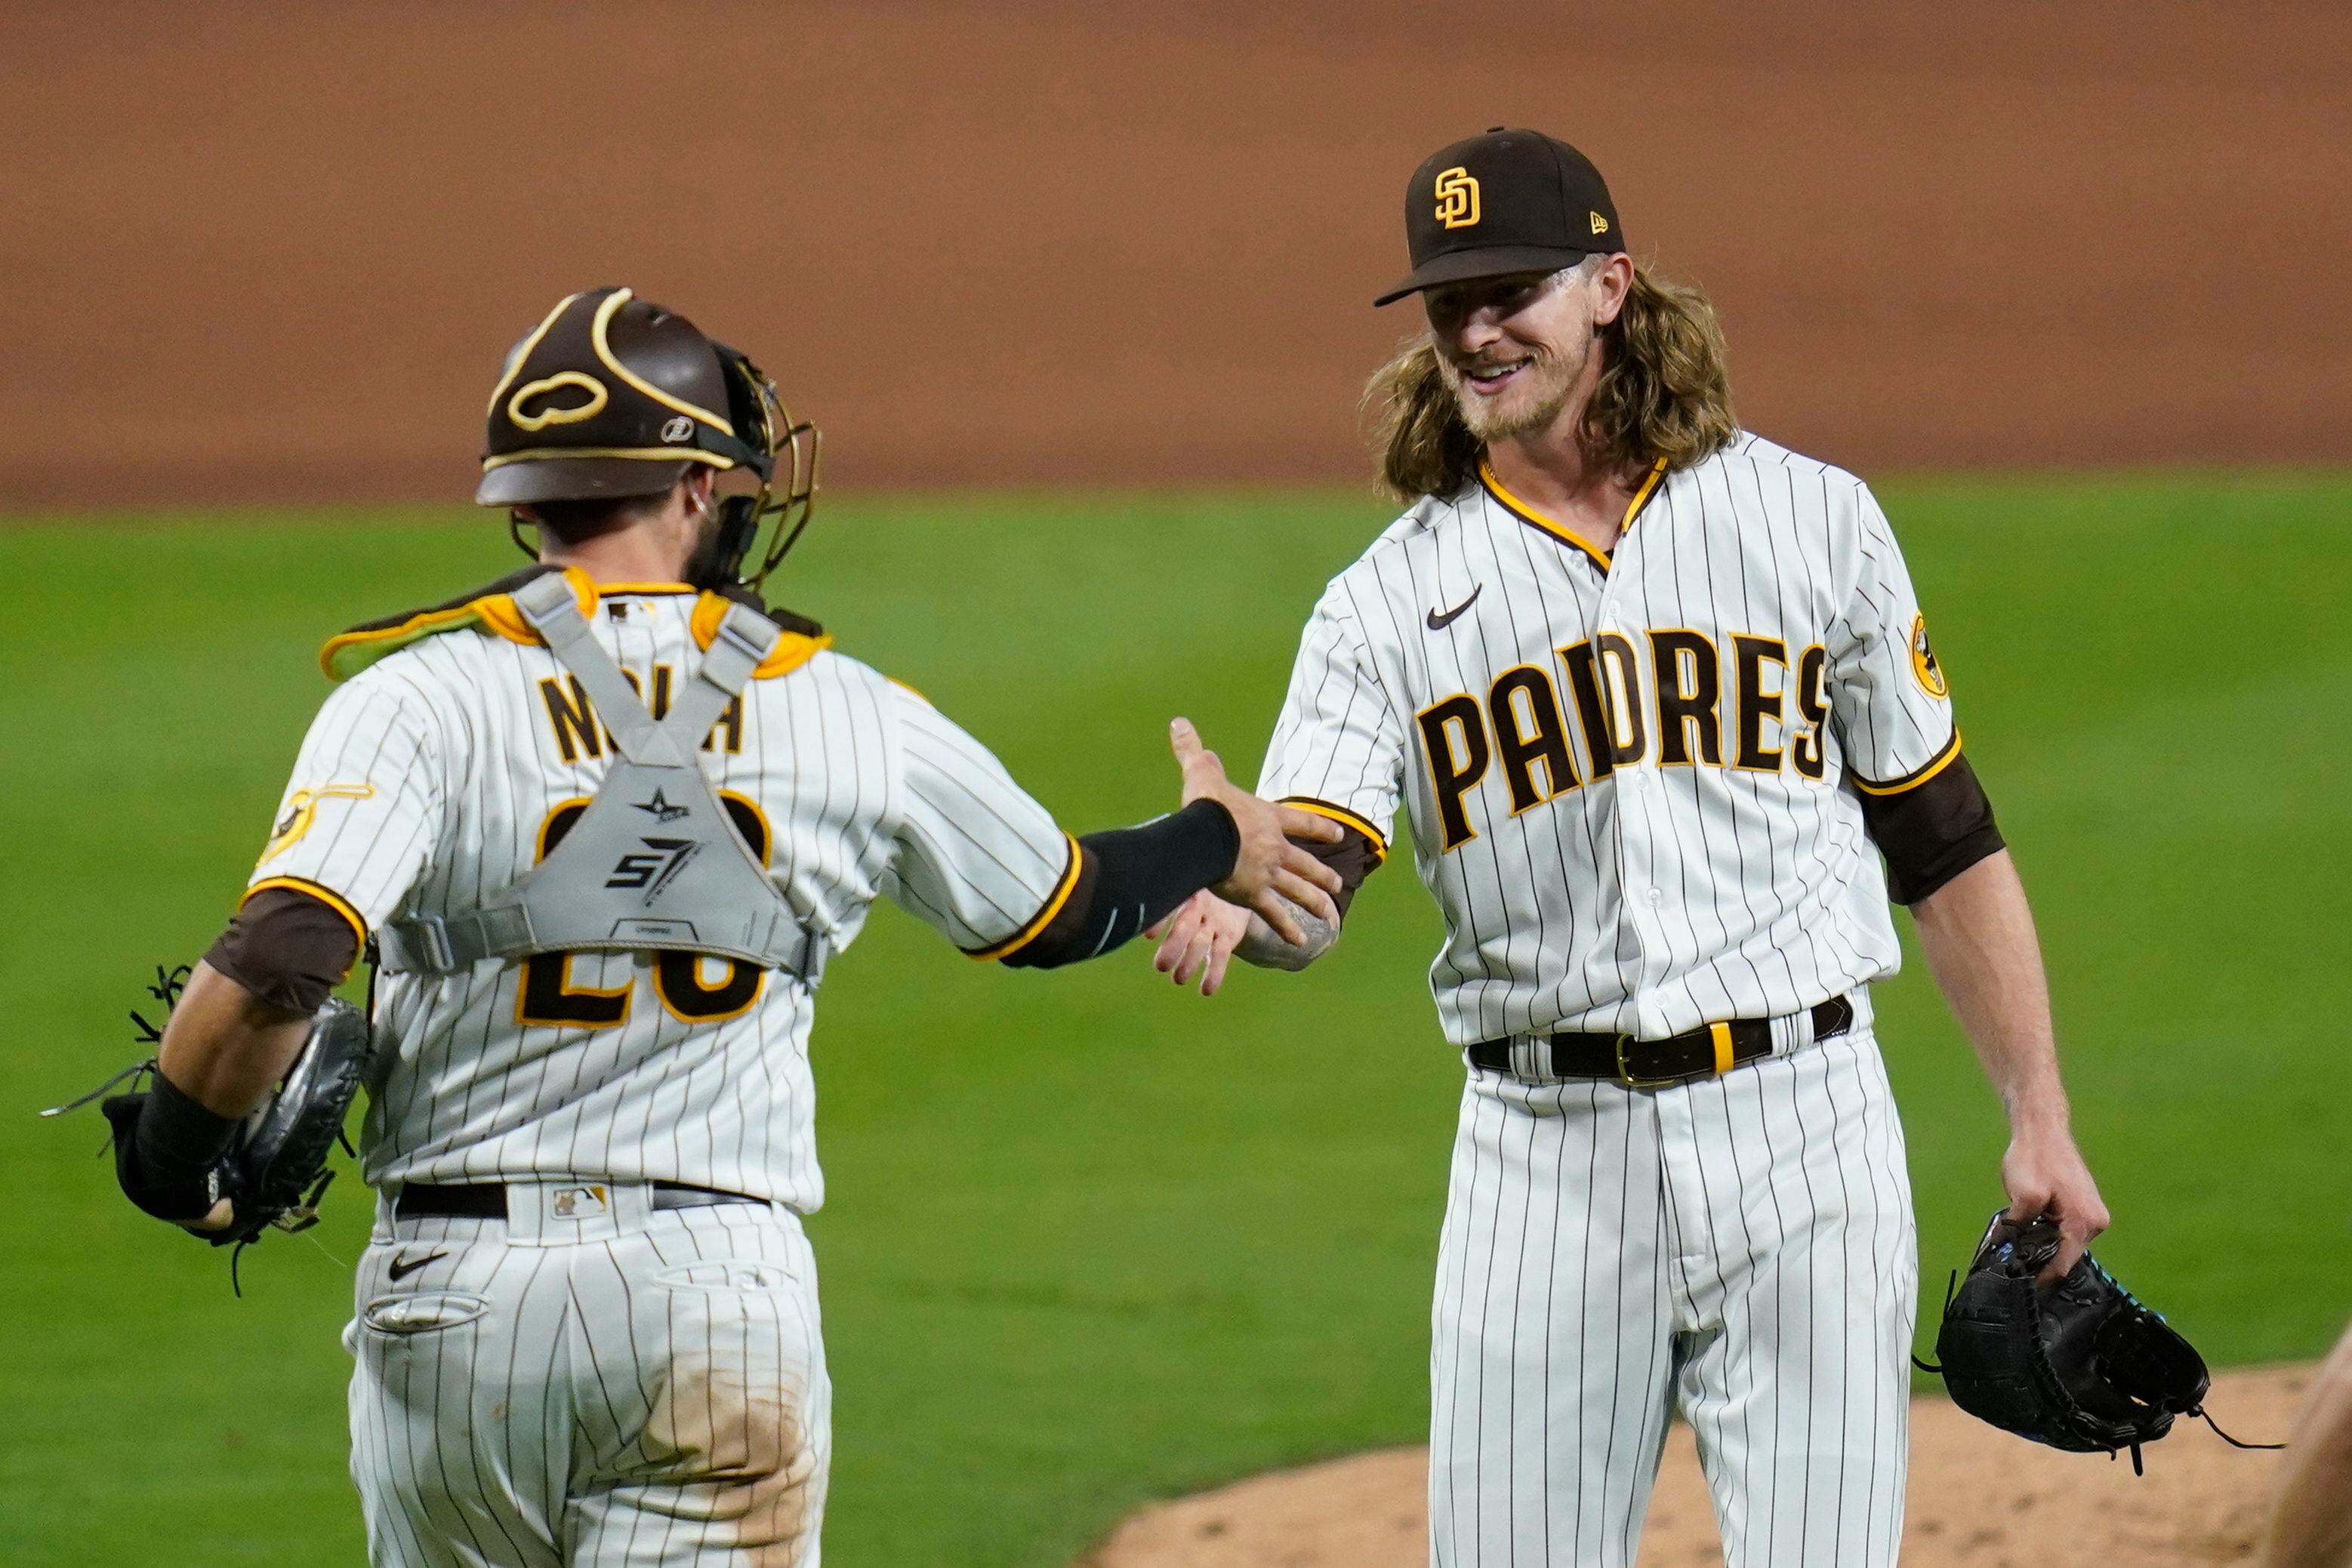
[
  {"x": 1743, "y": 1247},
  {"x": 638, "y": 1387}
]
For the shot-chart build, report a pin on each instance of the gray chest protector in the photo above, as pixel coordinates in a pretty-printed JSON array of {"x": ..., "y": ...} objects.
[{"x": 653, "y": 863}]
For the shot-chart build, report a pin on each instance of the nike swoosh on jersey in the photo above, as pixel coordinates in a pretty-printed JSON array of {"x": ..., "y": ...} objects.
[
  {"x": 402, "y": 1267},
  {"x": 1438, "y": 623}
]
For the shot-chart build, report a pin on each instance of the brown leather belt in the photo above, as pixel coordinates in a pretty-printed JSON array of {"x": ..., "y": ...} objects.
[
  {"x": 1703, "y": 1053},
  {"x": 488, "y": 1200}
]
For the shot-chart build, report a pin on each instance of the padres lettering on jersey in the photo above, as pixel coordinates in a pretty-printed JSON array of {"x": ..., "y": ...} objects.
[
  {"x": 447, "y": 768},
  {"x": 1632, "y": 775}
]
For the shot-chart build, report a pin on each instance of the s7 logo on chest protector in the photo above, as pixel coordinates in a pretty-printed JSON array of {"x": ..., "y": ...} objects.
[{"x": 654, "y": 872}]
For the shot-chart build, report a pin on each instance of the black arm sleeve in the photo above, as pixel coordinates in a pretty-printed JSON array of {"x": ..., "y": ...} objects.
[
  {"x": 288, "y": 949},
  {"x": 165, "y": 1147},
  {"x": 1130, "y": 877},
  {"x": 1933, "y": 831}
]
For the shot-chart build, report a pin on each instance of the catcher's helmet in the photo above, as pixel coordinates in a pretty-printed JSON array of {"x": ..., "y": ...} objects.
[{"x": 611, "y": 396}]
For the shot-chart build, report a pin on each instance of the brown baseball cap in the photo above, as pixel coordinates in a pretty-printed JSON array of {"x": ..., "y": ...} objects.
[
  {"x": 1508, "y": 201},
  {"x": 609, "y": 396}
]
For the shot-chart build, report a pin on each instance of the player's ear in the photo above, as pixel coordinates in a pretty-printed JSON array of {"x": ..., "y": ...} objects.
[{"x": 1611, "y": 284}]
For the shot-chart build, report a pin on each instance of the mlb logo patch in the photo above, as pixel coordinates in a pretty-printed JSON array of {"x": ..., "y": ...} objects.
[{"x": 580, "y": 1202}]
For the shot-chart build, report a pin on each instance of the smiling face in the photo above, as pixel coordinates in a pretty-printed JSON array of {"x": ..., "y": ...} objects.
[{"x": 1516, "y": 350}]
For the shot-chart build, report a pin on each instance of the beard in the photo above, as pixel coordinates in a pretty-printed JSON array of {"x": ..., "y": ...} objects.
[
  {"x": 1533, "y": 402},
  {"x": 718, "y": 547}
]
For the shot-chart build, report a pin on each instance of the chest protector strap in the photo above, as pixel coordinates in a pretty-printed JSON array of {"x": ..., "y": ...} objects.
[{"x": 655, "y": 861}]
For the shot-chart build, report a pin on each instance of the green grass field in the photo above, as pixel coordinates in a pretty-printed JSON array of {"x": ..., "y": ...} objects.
[{"x": 1091, "y": 1242}]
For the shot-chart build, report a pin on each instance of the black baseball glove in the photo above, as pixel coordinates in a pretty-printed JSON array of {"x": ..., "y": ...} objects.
[
  {"x": 2078, "y": 1365},
  {"x": 175, "y": 1159}
]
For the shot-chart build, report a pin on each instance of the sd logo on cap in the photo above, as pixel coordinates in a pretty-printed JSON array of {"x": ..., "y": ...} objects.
[{"x": 1508, "y": 201}]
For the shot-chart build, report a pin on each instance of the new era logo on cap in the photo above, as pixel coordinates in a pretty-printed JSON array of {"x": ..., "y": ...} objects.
[{"x": 1509, "y": 201}]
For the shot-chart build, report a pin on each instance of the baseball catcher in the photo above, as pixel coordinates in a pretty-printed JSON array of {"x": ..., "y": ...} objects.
[{"x": 603, "y": 822}]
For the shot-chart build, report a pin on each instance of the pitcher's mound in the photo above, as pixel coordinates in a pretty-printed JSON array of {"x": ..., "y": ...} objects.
[{"x": 1979, "y": 1498}]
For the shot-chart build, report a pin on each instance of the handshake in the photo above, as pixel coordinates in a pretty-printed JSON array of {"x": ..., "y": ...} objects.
[{"x": 1278, "y": 906}]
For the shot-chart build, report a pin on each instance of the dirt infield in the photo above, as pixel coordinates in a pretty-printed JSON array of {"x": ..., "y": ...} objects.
[
  {"x": 1979, "y": 1498},
  {"x": 257, "y": 253}
]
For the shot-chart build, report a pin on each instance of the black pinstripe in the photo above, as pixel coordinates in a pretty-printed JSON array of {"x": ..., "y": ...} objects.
[{"x": 1742, "y": 1246}]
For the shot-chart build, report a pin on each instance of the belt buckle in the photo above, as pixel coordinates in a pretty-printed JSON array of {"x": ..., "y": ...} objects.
[{"x": 1630, "y": 1079}]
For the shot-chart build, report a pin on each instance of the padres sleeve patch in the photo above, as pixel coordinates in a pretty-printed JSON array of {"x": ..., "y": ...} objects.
[
  {"x": 1929, "y": 673},
  {"x": 301, "y": 811}
]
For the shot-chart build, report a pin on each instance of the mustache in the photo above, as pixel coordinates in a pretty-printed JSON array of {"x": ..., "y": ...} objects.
[{"x": 1531, "y": 355}]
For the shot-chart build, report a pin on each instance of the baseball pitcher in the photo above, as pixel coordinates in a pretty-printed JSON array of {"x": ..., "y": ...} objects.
[
  {"x": 604, "y": 822},
  {"x": 1660, "y": 701}
]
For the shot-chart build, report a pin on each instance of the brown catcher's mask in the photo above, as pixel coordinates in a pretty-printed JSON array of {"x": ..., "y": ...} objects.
[{"x": 611, "y": 396}]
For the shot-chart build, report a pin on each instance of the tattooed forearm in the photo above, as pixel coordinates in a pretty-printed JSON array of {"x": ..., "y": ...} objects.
[{"x": 1262, "y": 947}]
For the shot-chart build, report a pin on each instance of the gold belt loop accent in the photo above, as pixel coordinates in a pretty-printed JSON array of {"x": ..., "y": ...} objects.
[{"x": 1722, "y": 1033}]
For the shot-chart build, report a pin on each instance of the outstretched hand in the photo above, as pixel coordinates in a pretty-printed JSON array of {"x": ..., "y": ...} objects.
[
  {"x": 1271, "y": 874},
  {"x": 1198, "y": 937}
]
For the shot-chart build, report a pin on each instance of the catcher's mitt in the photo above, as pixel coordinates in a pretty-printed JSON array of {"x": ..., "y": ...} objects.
[
  {"x": 275, "y": 1169},
  {"x": 279, "y": 1158},
  {"x": 2078, "y": 1365}
]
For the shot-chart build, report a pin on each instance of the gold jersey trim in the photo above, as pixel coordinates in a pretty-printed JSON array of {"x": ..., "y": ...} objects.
[
  {"x": 323, "y": 893},
  {"x": 495, "y": 614},
  {"x": 1043, "y": 917},
  {"x": 1342, "y": 816},
  {"x": 791, "y": 650},
  {"x": 1528, "y": 515},
  {"x": 1935, "y": 764}
]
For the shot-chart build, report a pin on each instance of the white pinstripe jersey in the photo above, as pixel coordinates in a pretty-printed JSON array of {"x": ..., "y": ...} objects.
[
  {"x": 1632, "y": 777},
  {"x": 431, "y": 778}
]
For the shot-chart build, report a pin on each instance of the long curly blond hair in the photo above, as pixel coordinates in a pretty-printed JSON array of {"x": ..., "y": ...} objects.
[{"x": 1662, "y": 393}]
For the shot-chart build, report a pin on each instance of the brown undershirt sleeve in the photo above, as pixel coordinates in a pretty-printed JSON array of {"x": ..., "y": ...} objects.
[
  {"x": 1931, "y": 832},
  {"x": 288, "y": 949},
  {"x": 1354, "y": 857}
]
